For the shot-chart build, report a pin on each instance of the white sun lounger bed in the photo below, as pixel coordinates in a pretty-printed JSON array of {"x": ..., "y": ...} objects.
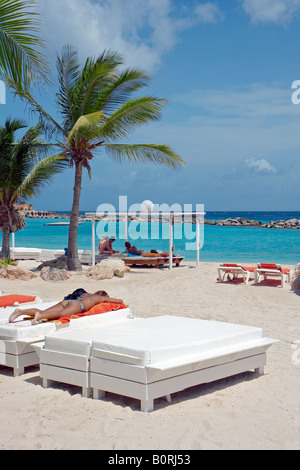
[
  {"x": 150, "y": 358},
  {"x": 21, "y": 342}
]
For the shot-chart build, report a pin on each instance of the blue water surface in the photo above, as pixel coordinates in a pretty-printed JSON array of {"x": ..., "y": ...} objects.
[{"x": 220, "y": 244}]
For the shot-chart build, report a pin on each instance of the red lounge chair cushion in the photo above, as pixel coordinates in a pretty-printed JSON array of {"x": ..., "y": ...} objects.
[
  {"x": 251, "y": 269},
  {"x": 151, "y": 255},
  {"x": 7, "y": 300},
  {"x": 245, "y": 268},
  {"x": 267, "y": 266}
]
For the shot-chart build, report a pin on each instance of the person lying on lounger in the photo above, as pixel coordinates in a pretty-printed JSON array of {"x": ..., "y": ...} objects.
[
  {"x": 132, "y": 250},
  {"x": 83, "y": 303}
]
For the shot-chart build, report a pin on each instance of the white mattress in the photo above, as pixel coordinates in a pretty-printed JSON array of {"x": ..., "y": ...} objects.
[
  {"x": 5, "y": 312},
  {"x": 79, "y": 342},
  {"x": 169, "y": 337},
  {"x": 146, "y": 341},
  {"x": 22, "y": 329}
]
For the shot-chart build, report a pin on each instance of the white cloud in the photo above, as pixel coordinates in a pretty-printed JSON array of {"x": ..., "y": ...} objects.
[
  {"x": 260, "y": 166},
  {"x": 208, "y": 13},
  {"x": 229, "y": 126},
  {"x": 256, "y": 101},
  {"x": 271, "y": 11},
  {"x": 142, "y": 31}
]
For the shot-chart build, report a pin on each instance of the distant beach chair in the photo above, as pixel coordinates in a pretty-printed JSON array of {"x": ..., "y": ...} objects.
[
  {"x": 235, "y": 270},
  {"x": 272, "y": 270},
  {"x": 22, "y": 253},
  {"x": 155, "y": 261}
]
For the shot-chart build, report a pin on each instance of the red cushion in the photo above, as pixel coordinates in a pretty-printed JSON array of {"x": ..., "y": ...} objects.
[{"x": 7, "y": 300}]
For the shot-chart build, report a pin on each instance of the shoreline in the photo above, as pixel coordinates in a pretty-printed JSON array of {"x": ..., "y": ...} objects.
[{"x": 197, "y": 418}]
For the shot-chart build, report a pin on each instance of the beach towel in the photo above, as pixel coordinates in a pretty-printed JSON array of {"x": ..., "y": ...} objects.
[{"x": 9, "y": 300}]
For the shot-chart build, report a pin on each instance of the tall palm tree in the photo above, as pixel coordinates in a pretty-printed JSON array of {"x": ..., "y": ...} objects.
[
  {"x": 23, "y": 173},
  {"x": 20, "y": 57},
  {"x": 97, "y": 111}
]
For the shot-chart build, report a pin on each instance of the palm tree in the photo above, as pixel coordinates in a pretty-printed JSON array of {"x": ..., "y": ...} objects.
[
  {"x": 20, "y": 58},
  {"x": 22, "y": 174},
  {"x": 97, "y": 111}
]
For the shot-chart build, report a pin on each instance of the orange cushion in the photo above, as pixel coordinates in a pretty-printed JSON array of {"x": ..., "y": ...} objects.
[
  {"x": 97, "y": 309},
  {"x": 104, "y": 307},
  {"x": 151, "y": 255},
  {"x": 6, "y": 300}
]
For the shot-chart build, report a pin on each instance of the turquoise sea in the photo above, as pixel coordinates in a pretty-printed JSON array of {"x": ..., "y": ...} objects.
[{"x": 221, "y": 244}]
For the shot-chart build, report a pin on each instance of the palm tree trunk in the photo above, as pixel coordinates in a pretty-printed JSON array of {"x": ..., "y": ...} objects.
[
  {"x": 5, "y": 241},
  {"x": 73, "y": 261}
]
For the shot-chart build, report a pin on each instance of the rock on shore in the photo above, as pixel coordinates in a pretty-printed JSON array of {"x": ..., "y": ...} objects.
[{"x": 240, "y": 222}]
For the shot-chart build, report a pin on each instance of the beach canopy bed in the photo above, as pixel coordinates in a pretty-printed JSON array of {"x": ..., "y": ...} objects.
[
  {"x": 147, "y": 358},
  {"x": 171, "y": 216}
]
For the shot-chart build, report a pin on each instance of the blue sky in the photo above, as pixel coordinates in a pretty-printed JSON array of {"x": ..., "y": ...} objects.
[{"x": 226, "y": 67}]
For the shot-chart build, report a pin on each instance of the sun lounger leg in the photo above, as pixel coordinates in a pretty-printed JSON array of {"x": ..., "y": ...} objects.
[
  {"x": 45, "y": 383},
  {"x": 86, "y": 392},
  {"x": 260, "y": 370},
  {"x": 97, "y": 394},
  {"x": 18, "y": 371},
  {"x": 168, "y": 398},
  {"x": 147, "y": 405}
]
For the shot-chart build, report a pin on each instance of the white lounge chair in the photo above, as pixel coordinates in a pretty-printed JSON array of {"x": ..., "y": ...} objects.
[
  {"x": 26, "y": 253},
  {"x": 272, "y": 270},
  {"x": 149, "y": 358},
  {"x": 17, "y": 339},
  {"x": 235, "y": 270}
]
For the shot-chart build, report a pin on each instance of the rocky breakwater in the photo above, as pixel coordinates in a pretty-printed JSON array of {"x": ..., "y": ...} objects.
[
  {"x": 291, "y": 224},
  {"x": 237, "y": 222},
  {"x": 240, "y": 222}
]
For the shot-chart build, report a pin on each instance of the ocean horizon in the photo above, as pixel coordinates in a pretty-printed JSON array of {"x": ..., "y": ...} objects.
[{"x": 220, "y": 243}]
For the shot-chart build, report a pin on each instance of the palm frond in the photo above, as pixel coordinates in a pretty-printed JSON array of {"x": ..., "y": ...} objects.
[
  {"x": 132, "y": 114},
  {"x": 144, "y": 153},
  {"x": 68, "y": 69},
  {"x": 19, "y": 40},
  {"x": 120, "y": 90},
  {"x": 86, "y": 126},
  {"x": 48, "y": 124},
  {"x": 96, "y": 75},
  {"x": 40, "y": 176}
]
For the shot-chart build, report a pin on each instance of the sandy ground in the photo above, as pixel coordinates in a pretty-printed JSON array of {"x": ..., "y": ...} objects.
[{"x": 242, "y": 412}]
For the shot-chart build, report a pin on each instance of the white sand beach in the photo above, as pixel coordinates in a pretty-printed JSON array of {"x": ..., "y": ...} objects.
[{"x": 242, "y": 412}]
